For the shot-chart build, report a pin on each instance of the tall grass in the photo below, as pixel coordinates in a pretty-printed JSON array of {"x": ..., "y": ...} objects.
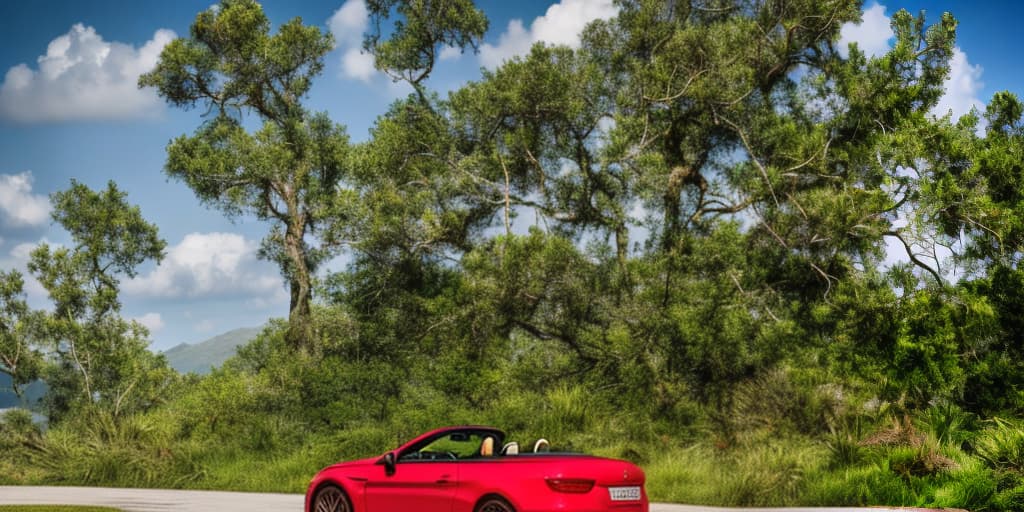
[
  {"x": 129, "y": 451},
  {"x": 761, "y": 474},
  {"x": 1001, "y": 445},
  {"x": 931, "y": 459}
]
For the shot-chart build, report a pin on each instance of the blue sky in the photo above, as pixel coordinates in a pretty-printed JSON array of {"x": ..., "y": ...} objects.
[{"x": 69, "y": 109}]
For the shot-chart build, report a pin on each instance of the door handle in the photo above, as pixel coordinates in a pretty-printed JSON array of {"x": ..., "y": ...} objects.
[{"x": 443, "y": 479}]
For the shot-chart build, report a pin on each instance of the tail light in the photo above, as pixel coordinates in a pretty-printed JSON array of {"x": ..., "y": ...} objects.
[{"x": 572, "y": 485}]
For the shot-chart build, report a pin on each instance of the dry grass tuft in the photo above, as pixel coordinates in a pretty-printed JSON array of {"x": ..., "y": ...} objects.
[{"x": 899, "y": 433}]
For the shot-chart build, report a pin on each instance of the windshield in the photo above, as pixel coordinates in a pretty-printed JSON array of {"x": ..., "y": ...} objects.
[{"x": 454, "y": 446}]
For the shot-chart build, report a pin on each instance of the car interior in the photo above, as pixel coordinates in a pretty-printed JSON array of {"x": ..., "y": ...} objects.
[{"x": 465, "y": 445}]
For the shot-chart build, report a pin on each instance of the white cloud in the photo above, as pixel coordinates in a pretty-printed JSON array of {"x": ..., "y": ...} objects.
[
  {"x": 19, "y": 206},
  {"x": 357, "y": 64},
  {"x": 348, "y": 24},
  {"x": 152, "y": 321},
  {"x": 208, "y": 265},
  {"x": 962, "y": 87},
  {"x": 872, "y": 34},
  {"x": 560, "y": 25},
  {"x": 450, "y": 53},
  {"x": 84, "y": 77},
  {"x": 23, "y": 251}
]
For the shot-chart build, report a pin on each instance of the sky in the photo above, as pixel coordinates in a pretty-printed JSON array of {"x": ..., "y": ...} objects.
[{"x": 70, "y": 109}]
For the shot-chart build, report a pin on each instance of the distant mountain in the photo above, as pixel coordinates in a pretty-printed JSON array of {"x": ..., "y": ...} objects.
[{"x": 202, "y": 357}]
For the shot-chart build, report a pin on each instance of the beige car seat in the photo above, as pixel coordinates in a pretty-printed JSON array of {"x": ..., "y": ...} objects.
[
  {"x": 487, "y": 447},
  {"x": 541, "y": 446}
]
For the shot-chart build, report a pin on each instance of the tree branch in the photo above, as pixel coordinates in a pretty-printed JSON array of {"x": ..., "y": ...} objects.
[{"x": 913, "y": 257}]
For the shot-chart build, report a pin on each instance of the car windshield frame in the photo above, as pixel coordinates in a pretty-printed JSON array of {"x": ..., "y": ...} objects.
[{"x": 438, "y": 444}]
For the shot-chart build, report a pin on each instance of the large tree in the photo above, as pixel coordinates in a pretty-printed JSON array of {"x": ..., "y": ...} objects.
[
  {"x": 767, "y": 167},
  {"x": 287, "y": 172},
  {"x": 97, "y": 357}
]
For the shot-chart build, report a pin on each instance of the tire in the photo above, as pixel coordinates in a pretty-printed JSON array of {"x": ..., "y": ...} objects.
[
  {"x": 493, "y": 504},
  {"x": 330, "y": 498}
]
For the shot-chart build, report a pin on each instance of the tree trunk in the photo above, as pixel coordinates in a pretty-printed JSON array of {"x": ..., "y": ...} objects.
[
  {"x": 673, "y": 210},
  {"x": 300, "y": 322}
]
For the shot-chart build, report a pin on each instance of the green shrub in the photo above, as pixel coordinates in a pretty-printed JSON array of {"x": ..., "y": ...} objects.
[
  {"x": 948, "y": 423},
  {"x": 761, "y": 474},
  {"x": 104, "y": 450},
  {"x": 870, "y": 485},
  {"x": 1001, "y": 445},
  {"x": 778, "y": 401},
  {"x": 844, "y": 449},
  {"x": 972, "y": 487}
]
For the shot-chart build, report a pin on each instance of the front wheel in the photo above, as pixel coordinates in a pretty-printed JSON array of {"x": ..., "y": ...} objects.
[
  {"x": 331, "y": 498},
  {"x": 494, "y": 504}
]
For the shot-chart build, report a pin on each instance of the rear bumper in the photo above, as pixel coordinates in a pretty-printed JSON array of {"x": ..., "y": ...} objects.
[{"x": 587, "y": 503}]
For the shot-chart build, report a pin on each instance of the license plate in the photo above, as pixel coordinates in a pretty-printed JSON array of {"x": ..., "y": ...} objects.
[{"x": 631, "y": 493}]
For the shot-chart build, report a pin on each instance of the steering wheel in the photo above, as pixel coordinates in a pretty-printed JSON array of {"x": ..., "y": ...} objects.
[{"x": 452, "y": 455}]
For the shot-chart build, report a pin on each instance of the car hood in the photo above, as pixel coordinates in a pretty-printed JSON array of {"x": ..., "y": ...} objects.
[{"x": 356, "y": 463}]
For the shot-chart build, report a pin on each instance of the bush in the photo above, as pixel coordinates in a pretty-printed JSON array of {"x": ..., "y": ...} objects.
[
  {"x": 763, "y": 474},
  {"x": 104, "y": 450},
  {"x": 948, "y": 423},
  {"x": 17, "y": 428},
  {"x": 1001, "y": 446},
  {"x": 972, "y": 487},
  {"x": 778, "y": 402},
  {"x": 870, "y": 485}
]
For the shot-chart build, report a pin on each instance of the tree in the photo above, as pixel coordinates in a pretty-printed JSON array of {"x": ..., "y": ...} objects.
[
  {"x": 533, "y": 130},
  {"x": 408, "y": 210},
  {"x": 20, "y": 357},
  {"x": 98, "y": 357},
  {"x": 290, "y": 170},
  {"x": 769, "y": 168},
  {"x": 425, "y": 27}
]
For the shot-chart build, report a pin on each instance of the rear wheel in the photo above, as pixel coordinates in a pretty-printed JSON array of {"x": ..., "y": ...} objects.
[
  {"x": 330, "y": 498},
  {"x": 494, "y": 504}
]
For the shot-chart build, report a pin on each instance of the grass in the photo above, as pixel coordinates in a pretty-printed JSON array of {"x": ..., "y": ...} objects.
[
  {"x": 940, "y": 458},
  {"x": 765, "y": 473}
]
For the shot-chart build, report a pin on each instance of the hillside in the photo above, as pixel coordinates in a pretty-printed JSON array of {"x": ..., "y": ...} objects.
[{"x": 202, "y": 357}]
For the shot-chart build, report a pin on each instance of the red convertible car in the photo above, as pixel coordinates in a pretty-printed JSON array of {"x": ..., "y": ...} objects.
[{"x": 473, "y": 469}]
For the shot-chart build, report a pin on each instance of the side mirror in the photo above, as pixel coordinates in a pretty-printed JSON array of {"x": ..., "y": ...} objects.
[{"x": 389, "y": 463}]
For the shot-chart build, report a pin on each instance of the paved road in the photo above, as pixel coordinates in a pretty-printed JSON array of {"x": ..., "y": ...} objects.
[{"x": 159, "y": 500}]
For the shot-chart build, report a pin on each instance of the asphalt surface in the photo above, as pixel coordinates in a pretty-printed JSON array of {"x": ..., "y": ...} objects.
[{"x": 162, "y": 500}]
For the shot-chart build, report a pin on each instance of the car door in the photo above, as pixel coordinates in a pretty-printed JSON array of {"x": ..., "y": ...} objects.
[{"x": 420, "y": 485}]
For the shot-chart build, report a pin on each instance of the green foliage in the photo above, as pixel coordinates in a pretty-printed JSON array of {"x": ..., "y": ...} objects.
[
  {"x": 666, "y": 245},
  {"x": 289, "y": 171},
  {"x": 425, "y": 27},
  {"x": 96, "y": 358},
  {"x": 20, "y": 356},
  {"x": 17, "y": 429},
  {"x": 994, "y": 382},
  {"x": 948, "y": 424},
  {"x": 775, "y": 402},
  {"x": 101, "y": 449},
  {"x": 1001, "y": 446},
  {"x": 769, "y": 473}
]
